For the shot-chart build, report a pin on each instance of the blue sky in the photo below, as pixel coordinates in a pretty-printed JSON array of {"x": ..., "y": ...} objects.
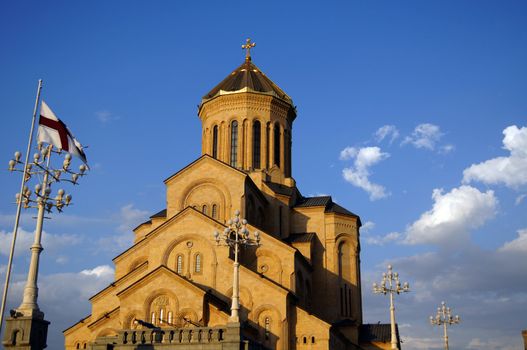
[{"x": 446, "y": 79}]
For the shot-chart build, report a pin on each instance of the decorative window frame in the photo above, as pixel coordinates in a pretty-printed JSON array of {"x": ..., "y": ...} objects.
[{"x": 195, "y": 262}]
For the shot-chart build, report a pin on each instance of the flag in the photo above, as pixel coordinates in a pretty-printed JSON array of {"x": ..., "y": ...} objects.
[{"x": 53, "y": 131}]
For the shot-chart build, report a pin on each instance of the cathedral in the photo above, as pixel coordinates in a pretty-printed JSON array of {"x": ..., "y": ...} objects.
[{"x": 298, "y": 289}]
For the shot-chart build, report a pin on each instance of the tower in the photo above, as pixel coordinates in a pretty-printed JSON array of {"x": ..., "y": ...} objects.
[
  {"x": 247, "y": 122},
  {"x": 299, "y": 290}
]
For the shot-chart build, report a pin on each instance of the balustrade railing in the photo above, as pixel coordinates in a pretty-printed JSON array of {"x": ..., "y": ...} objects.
[{"x": 172, "y": 335}]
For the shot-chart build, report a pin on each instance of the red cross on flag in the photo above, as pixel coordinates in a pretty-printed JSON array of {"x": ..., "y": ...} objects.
[{"x": 53, "y": 131}]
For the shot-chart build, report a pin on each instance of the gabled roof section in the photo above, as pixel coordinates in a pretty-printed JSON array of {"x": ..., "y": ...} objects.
[
  {"x": 314, "y": 201},
  {"x": 104, "y": 316},
  {"x": 161, "y": 269},
  {"x": 281, "y": 189},
  {"x": 335, "y": 208},
  {"x": 160, "y": 214},
  {"x": 327, "y": 203},
  {"x": 80, "y": 322},
  {"x": 247, "y": 78},
  {"x": 185, "y": 211},
  {"x": 203, "y": 158}
]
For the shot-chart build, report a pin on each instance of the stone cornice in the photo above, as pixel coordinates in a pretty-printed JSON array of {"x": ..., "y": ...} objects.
[{"x": 245, "y": 101}]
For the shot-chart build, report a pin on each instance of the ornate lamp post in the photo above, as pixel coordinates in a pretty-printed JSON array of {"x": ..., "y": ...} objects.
[
  {"x": 235, "y": 235},
  {"x": 444, "y": 318},
  {"x": 44, "y": 203},
  {"x": 41, "y": 199},
  {"x": 390, "y": 284}
]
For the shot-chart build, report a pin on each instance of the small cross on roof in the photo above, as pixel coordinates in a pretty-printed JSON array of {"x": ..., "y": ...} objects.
[{"x": 247, "y": 47}]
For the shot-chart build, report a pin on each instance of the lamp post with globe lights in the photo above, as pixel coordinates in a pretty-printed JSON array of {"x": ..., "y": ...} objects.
[
  {"x": 41, "y": 198},
  {"x": 390, "y": 285},
  {"x": 236, "y": 235},
  {"x": 444, "y": 318}
]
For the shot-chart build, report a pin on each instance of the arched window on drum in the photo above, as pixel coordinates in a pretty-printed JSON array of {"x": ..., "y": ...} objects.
[
  {"x": 215, "y": 141},
  {"x": 234, "y": 144},
  {"x": 257, "y": 132}
]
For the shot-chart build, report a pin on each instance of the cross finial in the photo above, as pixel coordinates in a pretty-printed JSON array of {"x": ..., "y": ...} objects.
[{"x": 247, "y": 47}]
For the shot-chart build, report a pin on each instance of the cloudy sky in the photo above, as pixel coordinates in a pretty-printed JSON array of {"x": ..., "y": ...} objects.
[{"x": 412, "y": 114}]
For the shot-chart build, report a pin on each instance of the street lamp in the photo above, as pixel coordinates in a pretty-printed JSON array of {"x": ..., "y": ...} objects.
[
  {"x": 41, "y": 199},
  {"x": 444, "y": 318},
  {"x": 390, "y": 284},
  {"x": 235, "y": 235}
]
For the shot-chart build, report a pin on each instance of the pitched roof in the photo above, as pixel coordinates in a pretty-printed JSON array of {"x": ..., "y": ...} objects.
[
  {"x": 160, "y": 214},
  {"x": 326, "y": 202},
  {"x": 280, "y": 189},
  {"x": 247, "y": 78},
  {"x": 313, "y": 201},
  {"x": 335, "y": 208},
  {"x": 377, "y": 333}
]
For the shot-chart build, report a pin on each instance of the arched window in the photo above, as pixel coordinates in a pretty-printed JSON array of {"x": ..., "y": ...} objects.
[
  {"x": 287, "y": 146},
  {"x": 161, "y": 312},
  {"x": 234, "y": 143},
  {"x": 256, "y": 145},
  {"x": 277, "y": 144},
  {"x": 84, "y": 346},
  {"x": 169, "y": 318},
  {"x": 205, "y": 209},
  {"x": 267, "y": 326},
  {"x": 76, "y": 347},
  {"x": 197, "y": 263},
  {"x": 215, "y": 141},
  {"x": 153, "y": 318},
  {"x": 214, "y": 211},
  {"x": 344, "y": 259},
  {"x": 179, "y": 264}
]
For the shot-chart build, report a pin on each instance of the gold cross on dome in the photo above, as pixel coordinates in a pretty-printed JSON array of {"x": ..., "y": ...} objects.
[{"x": 247, "y": 47}]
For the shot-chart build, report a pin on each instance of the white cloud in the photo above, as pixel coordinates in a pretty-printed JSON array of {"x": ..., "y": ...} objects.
[
  {"x": 348, "y": 153},
  {"x": 518, "y": 245},
  {"x": 520, "y": 199},
  {"x": 51, "y": 242},
  {"x": 424, "y": 136},
  {"x": 511, "y": 170},
  {"x": 358, "y": 174},
  {"x": 386, "y": 131},
  {"x": 367, "y": 226},
  {"x": 418, "y": 343},
  {"x": 103, "y": 271},
  {"x": 447, "y": 148},
  {"x": 382, "y": 240},
  {"x": 490, "y": 344},
  {"x": 129, "y": 217},
  {"x": 105, "y": 116},
  {"x": 452, "y": 216}
]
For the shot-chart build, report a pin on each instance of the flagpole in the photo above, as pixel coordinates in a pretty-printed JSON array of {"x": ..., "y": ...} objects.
[{"x": 19, "y": 207}]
